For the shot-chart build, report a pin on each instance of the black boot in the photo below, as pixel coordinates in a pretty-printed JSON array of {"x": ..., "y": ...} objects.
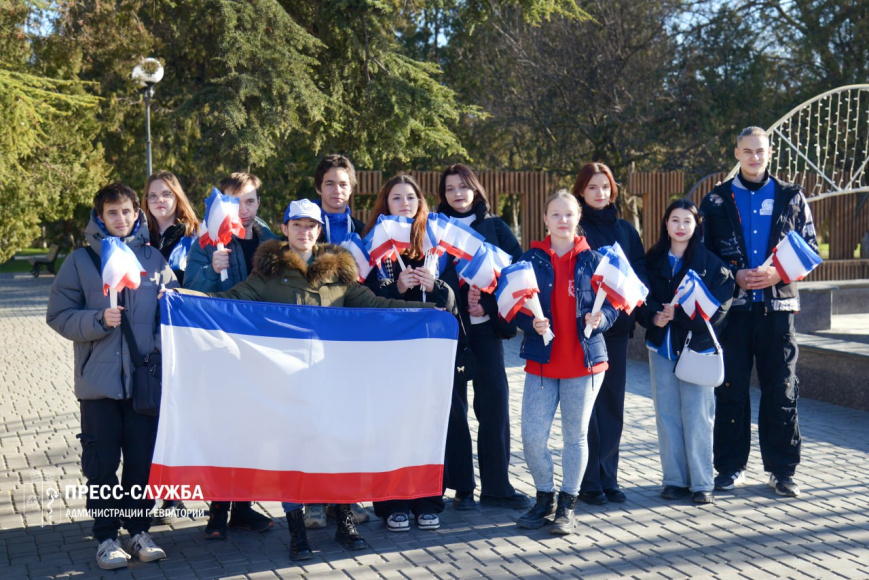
[
  {"x": 536, "y": 516},
  {"x": 346, "y": 535},
  {"x": 300, "y": 549},
  {"x": 563, "y": 524}
]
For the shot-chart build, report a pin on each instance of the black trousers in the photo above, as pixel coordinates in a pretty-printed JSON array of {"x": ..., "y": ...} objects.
[
  {"x": 111, "y": 429},
  {"x": 765, "y": 339},
  {"x": 607, "y": 421},
  {"x": 459, "y": 452},
  {"x": 491, "y": 407}
]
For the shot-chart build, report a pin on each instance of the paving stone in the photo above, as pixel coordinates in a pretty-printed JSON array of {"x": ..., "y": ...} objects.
[{"x": 749, "y": 533}]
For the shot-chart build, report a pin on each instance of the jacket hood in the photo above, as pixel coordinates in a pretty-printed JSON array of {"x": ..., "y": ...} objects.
[
  {"x": 579, "y": 245},
  {"x": 96, "y": 232},
  {"x": 331, "y": 263}
]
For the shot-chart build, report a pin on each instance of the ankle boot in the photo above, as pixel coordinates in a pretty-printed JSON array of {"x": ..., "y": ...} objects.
[
  {"x": 564, "y": 516},
  {"x": 300, "y": 549},
  {"x": 346, "y": 535},
  {"x": 536, "y": 516}
]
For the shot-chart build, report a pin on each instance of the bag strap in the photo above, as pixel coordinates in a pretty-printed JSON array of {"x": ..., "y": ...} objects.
[
  {"x": 711, "y": 333},
  {"x": 125, "y": 323}
]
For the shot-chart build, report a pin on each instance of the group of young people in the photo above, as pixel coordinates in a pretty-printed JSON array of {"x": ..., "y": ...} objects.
[{"x": 698, "y": 426}]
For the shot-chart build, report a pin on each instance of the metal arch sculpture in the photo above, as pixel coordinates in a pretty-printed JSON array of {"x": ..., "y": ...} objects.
[{"x": 823, "y": 144}]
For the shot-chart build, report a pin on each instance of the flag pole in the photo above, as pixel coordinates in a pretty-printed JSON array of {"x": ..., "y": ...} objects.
[
  {"x": 598, "y": 304},
  {"x": 224, "y": 275},
  {"x": 113, "y": 297}
]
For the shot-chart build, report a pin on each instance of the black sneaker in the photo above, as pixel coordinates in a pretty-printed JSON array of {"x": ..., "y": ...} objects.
[
  {"x": 215, "y": 529},
  {"x": 517, "y": 501},
  {"x": 784, "y": 485},
  {"x": 593, "y": 497},
  {"x": 615, "y": 495},
  {"x": 703, "y": 497},
  {"x": 244, "y": 517},
  {"x": 168, "y": 512},
  {"x": 726, "y": 481},
  {"x": 675, "y": 492}
]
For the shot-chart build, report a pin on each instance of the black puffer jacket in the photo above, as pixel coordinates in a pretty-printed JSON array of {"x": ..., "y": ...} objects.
[
  {"x": 723, "y": 236},
  {"x": 662, "y": 287}
]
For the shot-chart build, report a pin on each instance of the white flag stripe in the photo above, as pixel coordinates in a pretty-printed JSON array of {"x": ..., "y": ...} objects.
[{"x": 356, "y": 431}]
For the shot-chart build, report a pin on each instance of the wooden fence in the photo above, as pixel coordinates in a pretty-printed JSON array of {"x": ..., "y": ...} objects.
[{"x": 837, "y": 220}]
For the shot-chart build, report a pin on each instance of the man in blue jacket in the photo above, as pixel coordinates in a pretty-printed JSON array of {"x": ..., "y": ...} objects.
[
  {"x": 204, "y": 265},
  {"x": 746, "y": 217}
]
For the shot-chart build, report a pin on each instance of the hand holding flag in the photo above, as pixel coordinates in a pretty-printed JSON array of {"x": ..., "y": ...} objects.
[
  {"x": 121, "y": 268},
  {"x": 388, "y": 237},
  {"x": 615, "y": 279},
  {"x": 220, "y": 223},
  {"x": 693, "y": 296},
  {"x": 517, "y": 291},
  {"x": 793, "y": 258}
]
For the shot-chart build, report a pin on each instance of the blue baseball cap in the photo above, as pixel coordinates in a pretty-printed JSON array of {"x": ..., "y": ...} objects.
[{"x": 303, "y": 208}]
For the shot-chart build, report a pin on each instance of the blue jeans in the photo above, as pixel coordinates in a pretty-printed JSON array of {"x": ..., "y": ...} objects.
[
  {"x": 685, "y": 416},
  {"x": 539, "y": 401}
]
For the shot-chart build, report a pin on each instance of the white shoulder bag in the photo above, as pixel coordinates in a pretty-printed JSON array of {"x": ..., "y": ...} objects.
[{"x": 703, "y": 369}]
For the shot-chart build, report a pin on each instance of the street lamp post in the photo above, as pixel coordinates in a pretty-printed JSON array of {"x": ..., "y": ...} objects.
[{"x": 147, "y": 74}]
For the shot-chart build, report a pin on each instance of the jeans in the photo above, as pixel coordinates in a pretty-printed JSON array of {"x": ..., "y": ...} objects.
[
  {"x": 685, "y": 415},
  {"x": 767, "y": 340},
  {"x": 539, "y": 401},
  {"x": 290, "y": 506}
]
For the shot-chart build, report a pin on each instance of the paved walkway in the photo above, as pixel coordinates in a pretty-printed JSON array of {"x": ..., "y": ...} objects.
[{"x": 750, "y": 533}]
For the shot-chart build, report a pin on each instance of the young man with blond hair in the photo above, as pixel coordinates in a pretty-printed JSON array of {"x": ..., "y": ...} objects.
[{"x": 745, "y": 218}]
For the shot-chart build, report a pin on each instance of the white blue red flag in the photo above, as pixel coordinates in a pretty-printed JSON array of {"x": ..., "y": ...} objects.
[
  {"x": 793, "y": 258},
  {"x": 460, "y": 240},
  {"x": 517, "y": 292},
  {"x": 302, "y": 394},
  {"x": 615, "y": 276},
  {"x": 389, "y": 236},
  {"x": 221, "y": 220},
  {"x": 696, "y": 297},
  {"x": 354, "y": 244},
  {"x": 483, "y": 269},
  {"x": 434, "y": 230},
  {"x": 121, "y": 267}
]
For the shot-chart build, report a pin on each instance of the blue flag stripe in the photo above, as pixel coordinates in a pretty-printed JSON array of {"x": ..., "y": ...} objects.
[{"x": 306, "y": 322}]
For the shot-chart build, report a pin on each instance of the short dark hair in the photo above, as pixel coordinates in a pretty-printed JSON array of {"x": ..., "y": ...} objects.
[
  {"x": 753, "y": 131},
  {"x": 115, "y": 193},
  {"x": 331, "y": 162},
  {"x": 238, "y": 181}
]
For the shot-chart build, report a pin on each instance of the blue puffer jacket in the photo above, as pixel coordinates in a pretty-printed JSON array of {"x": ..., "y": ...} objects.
[{"x": 593, "y": 347}]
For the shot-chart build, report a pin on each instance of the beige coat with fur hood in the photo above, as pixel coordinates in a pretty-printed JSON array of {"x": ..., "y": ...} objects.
[{"x": 280, "y": 275}]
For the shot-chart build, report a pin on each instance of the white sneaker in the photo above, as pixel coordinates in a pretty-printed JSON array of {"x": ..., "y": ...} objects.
[
  {"x": 398, "y": 522},
  {"x": 360, "y": 513},
  {"x": 428, "y": 521},
  {"x": 143, "y": 547},
  {"x": 315, "y": 516},
  {"x": 111, "y": 556}
]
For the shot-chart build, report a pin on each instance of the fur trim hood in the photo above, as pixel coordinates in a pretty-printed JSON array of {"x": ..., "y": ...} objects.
[{"x": 331, "y": 263}]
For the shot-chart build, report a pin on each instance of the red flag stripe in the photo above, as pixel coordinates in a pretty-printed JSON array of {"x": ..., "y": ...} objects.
[{"x": 239, "y": 484}]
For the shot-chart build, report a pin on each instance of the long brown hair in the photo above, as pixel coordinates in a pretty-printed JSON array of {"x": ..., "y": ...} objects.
[
  {"x": 183, "y": 210},
  {"x": 588, "y": 171},
  {"x": 465, "y": 173},
  {"x": 381, "y": 207}
]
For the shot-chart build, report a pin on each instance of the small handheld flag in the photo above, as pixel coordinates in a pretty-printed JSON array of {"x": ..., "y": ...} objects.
[
  {"x": 354, "y": 244},
  {"x": 696, "y": 297},
  {"x": 389, "y": 236},
  {"x": 121, "y": 268},
  {"x": 793, "y": 258},
  {"x": 220, "y": 223},
  {"x": 460, "y": 240},
  {"x": 517, "y": 291},
  {"x": 616, "y": 280},
  {"x": 483, "y": 269}
]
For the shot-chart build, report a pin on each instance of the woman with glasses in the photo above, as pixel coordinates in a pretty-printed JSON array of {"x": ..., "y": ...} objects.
[{"x": 171, "y": 220}]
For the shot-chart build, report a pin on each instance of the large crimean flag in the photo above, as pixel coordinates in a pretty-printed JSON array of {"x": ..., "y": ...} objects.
[{"x": 308, "y": 404}]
